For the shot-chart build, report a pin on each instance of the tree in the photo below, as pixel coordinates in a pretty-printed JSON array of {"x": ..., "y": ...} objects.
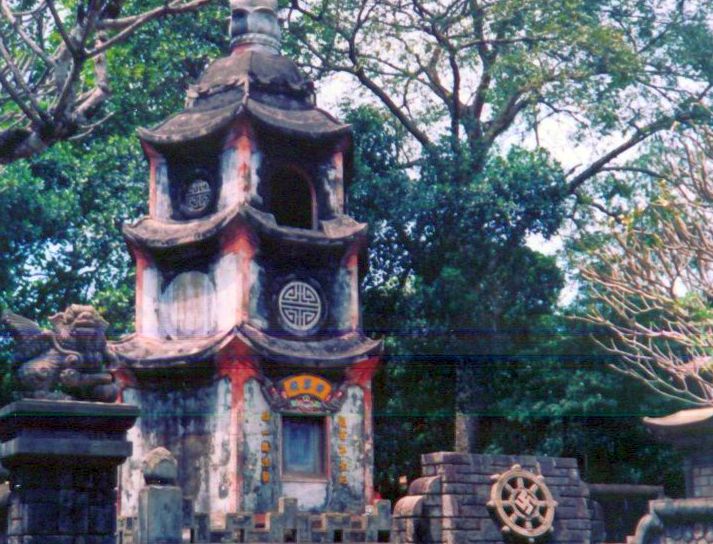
[
  {"x": 481, "y": 68},
  {"x": 54, "y": 71},
  {"x": 569, "y": 402},
  {"x": 61, "y": 238},
  {"x": 461, "y": 77},
  {"x": 652, "y": 280},
  {"x": 467, "y": 299}
]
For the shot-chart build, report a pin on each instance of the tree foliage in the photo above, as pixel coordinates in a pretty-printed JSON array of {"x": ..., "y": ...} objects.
[
  {"x": 473, "y": 70},
  {"x": 539, "y": 386},
  {"x": 461, "y": 78},
  {"x": 54, "y": 71},
  {"x": 62, "y": 239},
  {"x": 453, "y": 285}
]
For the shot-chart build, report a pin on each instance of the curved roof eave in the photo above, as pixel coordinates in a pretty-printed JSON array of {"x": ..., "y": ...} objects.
[
  {"x": 157, "y": 235},
  {"x": 194, "y": 124},
  {"x": 140, "y": 352},
  {"x": 319, "y": 354}
]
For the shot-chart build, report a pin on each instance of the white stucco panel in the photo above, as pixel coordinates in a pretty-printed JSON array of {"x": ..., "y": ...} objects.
[
  {"x": 188, "y": 306},
  {"x": 309, "y": 495},
  {"x": 229, "y": 290},
  {"x": 149, "y": 306},
  {"x": 232, "y": 190}
]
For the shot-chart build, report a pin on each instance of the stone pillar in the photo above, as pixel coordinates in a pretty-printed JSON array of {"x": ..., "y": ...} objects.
[
  {"x": 63, "y": 458},
  {"x": 691, "y": 432},
  {"x": 160, "y": 501}
]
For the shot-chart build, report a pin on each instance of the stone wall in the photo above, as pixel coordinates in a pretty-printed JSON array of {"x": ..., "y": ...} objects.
[
  {"x": 194, "y": 425},
  {"x": 449, "y": 503},
  {"x": 698, "y": 472},
  {"x": 62, "y": 458}
]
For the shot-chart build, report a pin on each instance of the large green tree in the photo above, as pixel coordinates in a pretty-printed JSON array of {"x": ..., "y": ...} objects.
[
  {"x": 61, "y": 238},
  {"x": 465, "y": 80},
  {"x": 543, "y": 386}
]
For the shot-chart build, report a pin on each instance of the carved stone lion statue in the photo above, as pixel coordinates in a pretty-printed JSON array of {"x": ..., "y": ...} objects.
[{"x": 69, "y": 362}]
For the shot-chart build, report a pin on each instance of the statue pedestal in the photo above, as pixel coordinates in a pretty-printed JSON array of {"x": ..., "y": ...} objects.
[
  {"x": 62, "y": 457},
  {"x": 691, "y": 432}
]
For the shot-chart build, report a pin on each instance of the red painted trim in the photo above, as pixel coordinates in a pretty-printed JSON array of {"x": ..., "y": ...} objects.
[
  {"x": 338, "y": 160},
  {"x": 154, "y": 157},
  {"x": 238, "y": 239},
  {"x": 361, "y": 374},
  {"x": 142, "y": 263},
  {"x": 244, "y": 147},
  {"x": 237, "y": 363},
  {"x": 125, "y": 378}
]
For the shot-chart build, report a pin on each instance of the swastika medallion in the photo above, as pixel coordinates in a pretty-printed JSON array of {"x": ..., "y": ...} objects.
[
  {"x": 522, "y": 503},
  {"x": 300, "y": 307}
]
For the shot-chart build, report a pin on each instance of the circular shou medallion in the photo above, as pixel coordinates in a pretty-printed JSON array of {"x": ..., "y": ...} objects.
[
  {"x": 197, "y": 198},
  {"x": 522, "y": 503},
  {"x": 300, "y": 307}
]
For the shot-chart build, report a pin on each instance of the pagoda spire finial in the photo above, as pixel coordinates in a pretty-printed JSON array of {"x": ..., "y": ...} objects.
[{"x": 254, "y": 25}]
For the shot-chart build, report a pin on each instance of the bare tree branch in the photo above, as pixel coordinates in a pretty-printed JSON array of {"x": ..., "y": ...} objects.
[
  {"x": 42, "y": 61},
  {"x": 652, "y": 281}
]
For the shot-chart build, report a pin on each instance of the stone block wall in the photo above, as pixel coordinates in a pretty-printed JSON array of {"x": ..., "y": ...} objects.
[
  {"x": 449, "y": 503},
  {"x": 698, "y": 472},
  {"x": 57, "y": 505},
  {"x": 62, "y": 458}
]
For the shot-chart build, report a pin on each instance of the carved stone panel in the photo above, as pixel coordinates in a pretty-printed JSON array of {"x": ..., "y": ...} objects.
[
  {"x": 300, "y": 307},
  {"x": 522, "y": 503}
]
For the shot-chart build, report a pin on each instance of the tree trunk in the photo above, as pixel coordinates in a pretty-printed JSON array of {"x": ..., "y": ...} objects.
[
  {"x": 466, "y": 433},
  {"x": 470, "y": 404}
]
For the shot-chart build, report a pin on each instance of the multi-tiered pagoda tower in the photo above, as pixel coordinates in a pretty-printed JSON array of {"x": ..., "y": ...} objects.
[{"x": 248, "y": 362}]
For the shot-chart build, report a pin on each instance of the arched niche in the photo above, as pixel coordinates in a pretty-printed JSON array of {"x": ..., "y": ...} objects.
[{"x": 292, "y": 199}]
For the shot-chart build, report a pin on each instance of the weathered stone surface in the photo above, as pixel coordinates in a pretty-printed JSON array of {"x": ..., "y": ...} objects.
[
  {"x": 411, "y": 506},
  {"x": 160, "y": 515},
  {"x": 160, "y": 467},
  {"x": 425, "y": 486},
  {"x": 453, "y": 493},
  {"x": 68, "y": 362},
  {"x": 65, "y": 495}
]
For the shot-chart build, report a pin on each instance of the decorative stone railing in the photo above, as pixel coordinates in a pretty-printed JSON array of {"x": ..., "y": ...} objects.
[
  {"x": 285, "y": 525},
  {"x": 679, "y": 521},
  {"x": 162, "y": 516}
]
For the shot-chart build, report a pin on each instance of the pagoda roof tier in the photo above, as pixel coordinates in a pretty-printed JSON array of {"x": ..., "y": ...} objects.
[
  {"x": 686, "y": 428},
  {"x": 138, "y": 351},
  {"x": 268, "y": 89},
  {"x": 161, "y": 235},
  {"x": 144, "y": 353},
  {"x": 319, "y": 354}
]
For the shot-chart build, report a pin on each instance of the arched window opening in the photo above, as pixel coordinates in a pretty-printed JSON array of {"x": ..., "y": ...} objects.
[{"x": 292, "y": 200}]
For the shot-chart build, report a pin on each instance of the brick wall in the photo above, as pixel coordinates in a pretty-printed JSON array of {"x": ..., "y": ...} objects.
[{"x": 448, "y": 504}]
